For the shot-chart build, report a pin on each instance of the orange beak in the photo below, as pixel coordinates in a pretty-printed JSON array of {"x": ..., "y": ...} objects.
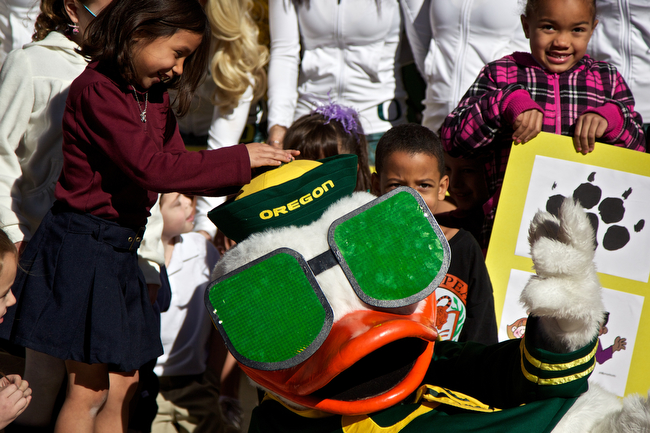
[{"x": 371, "y": 360}]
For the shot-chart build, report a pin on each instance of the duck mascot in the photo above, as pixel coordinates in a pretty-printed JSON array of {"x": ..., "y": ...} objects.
[{"x": 327, "y": 303}]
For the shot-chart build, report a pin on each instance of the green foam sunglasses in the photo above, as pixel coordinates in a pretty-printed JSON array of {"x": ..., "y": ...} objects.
[{"x": 272, "y": 313}]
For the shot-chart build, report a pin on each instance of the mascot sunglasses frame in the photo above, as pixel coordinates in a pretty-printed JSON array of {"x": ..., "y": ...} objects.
[{"x": 244, "y": 297}]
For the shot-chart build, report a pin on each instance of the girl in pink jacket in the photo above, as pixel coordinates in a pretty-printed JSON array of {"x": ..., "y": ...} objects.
[{"x": 555, "y": 88}]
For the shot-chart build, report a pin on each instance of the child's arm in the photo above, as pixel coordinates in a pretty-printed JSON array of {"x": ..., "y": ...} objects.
[
  {"x": 418, "y": 29},
  {"x": 262, "y": 154},
  {"x": 491, "y": 106},
  {"x": 615, "y": 122},
  {"x": 284, "y": 67},
  {"x": 116, "y": 131},
  {"x": 499, "y": 374}
]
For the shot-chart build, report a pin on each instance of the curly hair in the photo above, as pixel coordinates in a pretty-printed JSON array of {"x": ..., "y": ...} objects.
[
  {"x": 238, "y": 57},
  {"x": 53, "y": 17},
  {"x": 410, "y": 138}
]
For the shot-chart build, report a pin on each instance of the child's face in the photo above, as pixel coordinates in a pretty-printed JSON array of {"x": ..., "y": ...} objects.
[
  {"x": 178, "y": 214},
  {"x": 163, "y": 58},
  {"x": 7, "y": 278},
  {"x": 559, "y": 32},
  {"x": 467, "y": 185},
  {"x": 418, "y": 171}
]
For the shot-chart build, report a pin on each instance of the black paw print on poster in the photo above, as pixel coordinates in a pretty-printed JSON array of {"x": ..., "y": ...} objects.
[{"x": 610, "y": 212}]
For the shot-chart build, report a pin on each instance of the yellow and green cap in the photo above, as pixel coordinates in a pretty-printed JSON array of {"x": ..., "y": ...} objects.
[{"x": 295, "y": 193}]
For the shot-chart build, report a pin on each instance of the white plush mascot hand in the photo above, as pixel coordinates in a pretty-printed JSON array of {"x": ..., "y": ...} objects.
[
  {"x": 565, "y": 293},
  {"x": 566, "y": 296}
]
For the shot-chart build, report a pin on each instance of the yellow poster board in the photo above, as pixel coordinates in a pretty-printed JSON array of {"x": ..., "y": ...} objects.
[{"x": 549, "y": 166}]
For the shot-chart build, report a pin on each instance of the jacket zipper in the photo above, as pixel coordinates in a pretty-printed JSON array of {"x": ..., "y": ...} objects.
[
  {"x": 466, "y": 13},
  {"x": 558, "y": 105},
  {"x": 624, "y": 7},
  {"x": 340, "y": 44}
]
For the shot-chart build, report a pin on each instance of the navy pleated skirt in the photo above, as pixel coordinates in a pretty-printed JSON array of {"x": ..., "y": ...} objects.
[{"x": 81, "y": 295}]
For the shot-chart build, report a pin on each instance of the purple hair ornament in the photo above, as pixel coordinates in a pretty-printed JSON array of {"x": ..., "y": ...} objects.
[{"x": 346, "y": 116}]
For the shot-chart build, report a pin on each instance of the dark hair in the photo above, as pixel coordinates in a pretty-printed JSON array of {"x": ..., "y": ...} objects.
[
  {"x": 412, "y": 139},
  {"x": 317, "y": 137},
  {"x": 6, "y": 246},
  {"x": 113, "y": 35},
  {"x": 53, "y": 17},
  {"x": 533, "y": 5}
]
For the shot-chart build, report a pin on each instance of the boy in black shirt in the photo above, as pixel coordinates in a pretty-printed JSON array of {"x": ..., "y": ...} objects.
[{"x": 411, "y": 155}]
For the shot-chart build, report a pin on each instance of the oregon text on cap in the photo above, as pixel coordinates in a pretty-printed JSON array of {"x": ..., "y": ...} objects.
[{"x": 295, "y": 204}]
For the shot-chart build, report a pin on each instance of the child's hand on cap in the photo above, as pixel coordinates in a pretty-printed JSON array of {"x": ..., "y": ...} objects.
[{"x": 262, "y": 154}]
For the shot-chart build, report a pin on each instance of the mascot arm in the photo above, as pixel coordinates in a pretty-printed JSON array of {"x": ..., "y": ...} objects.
[
  {"x": 513, "y": 372},
  {"x": 565, "y": 294}
]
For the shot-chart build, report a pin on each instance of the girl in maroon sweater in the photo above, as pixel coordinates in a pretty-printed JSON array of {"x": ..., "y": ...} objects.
[{"x": 83, "y": 298}]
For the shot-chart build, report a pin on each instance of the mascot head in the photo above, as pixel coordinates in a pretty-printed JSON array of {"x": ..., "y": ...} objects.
[{"x": 327, "y": 299}]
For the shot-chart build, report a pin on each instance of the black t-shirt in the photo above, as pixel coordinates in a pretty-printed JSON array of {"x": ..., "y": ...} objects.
[{"x": 466, "y": 292}]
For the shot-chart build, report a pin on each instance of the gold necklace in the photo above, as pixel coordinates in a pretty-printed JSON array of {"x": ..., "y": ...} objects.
[{"x": 143, "y": 113}]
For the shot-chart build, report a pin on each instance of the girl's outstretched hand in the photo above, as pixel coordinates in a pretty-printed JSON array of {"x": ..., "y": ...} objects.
[
  {"x": 262, "y": 154},
  {"x": 527, "y": 125},
  {"x": 15, "y": 395},
  {"x": 589, "y": 127}
]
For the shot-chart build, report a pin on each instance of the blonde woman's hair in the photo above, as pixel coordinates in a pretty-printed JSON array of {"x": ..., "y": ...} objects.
[{"x": 239, "y": 59}]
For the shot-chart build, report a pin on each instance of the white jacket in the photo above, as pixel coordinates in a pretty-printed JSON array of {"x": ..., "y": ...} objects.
[
  {"x": 17, "y": 18},
  {"x": 452, "y": 40},
  {"x": 622, "y": 38},
  {"x": 347, "y": 49},
  {"x": 34, "y": 84},
  {"x": 185, "y": 327}
]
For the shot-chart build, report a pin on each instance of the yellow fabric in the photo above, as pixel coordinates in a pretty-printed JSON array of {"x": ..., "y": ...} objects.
[
  {"x": 365, "y": 424},
  {"x": 278, "y": 176},
  {"x": 555, "y": 381},
  {"x": 452, "y": 398},
  {"x": 555, "y": 367}
]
